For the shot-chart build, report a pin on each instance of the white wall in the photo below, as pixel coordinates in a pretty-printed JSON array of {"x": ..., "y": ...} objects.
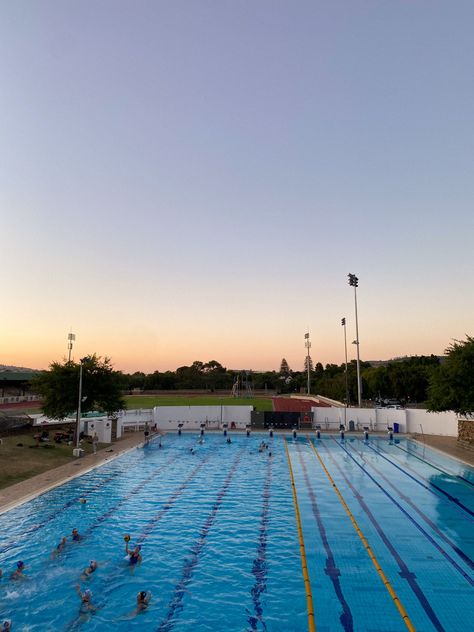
[
  {"x": 432, "y": 423},
  {"x": 168, "y": 417},
  {"x": 409, "y": 419}
]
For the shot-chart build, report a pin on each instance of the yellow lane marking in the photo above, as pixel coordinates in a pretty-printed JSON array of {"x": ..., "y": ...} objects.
[
  {"x": 382, "y": 575},
  {"x": 307, "y": 585}
]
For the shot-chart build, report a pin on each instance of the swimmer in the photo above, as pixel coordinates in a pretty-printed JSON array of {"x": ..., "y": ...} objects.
[
  {"x": 18, "y": 573},
  {"x": 7, "y": 625},
  {"x": 59, "y": 548},
  {"x": 75, "y": 535},
  {"x": 134, "y": 557},
  {"x": 143, "y": 599},
  {"x": 86, "y": 597},
  {"x": 87, "y": 572},
  {"x": 229, "y": 440}
]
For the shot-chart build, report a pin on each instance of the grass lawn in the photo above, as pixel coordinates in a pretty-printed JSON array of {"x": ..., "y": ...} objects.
[
  {"x": 148, "y": 401},
  {"x": 18, "y": 463}
]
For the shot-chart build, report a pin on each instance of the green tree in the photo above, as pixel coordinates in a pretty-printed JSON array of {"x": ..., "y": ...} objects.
[
  {"x": 59, "y": 387},
  {"x": 284, "y": 368},
  {"x": 452, "y": 384},
  {"x": 308, "y": 360}
]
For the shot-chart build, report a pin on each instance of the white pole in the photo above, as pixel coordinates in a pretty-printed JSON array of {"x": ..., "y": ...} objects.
[
  {"x": 359, "y": 394},
  {"x": 78, "y": 418}
]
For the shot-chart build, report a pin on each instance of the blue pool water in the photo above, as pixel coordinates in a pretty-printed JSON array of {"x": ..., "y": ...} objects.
[{"x": 220, "y": 543}]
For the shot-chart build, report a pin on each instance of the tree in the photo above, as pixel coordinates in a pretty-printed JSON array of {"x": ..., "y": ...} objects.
[
  {"x": 284, "y": 368},
  {"x": 59, "y": 387},
  {"x": 452, "y": 384},
  {"x": 307, "y": 361}
]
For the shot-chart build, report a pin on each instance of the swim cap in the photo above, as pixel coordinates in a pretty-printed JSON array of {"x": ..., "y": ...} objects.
[
  {"x": 88, "y": 593},
  {"x": 93, "y": 563},
  {"x": 20, "y": 564},
  {"x": 143, "y": 594},
  {"x": 126, "y": 537}
]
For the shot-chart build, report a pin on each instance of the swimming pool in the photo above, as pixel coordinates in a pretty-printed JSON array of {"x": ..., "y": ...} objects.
[{"x": 387, "y": 531}]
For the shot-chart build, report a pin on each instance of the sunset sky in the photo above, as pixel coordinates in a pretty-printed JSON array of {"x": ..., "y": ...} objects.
[{"x": 194, "y": 180}]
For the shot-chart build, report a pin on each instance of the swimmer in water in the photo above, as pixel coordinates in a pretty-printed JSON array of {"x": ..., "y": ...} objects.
[
  {"x": 75, "y": 535},
  {"x": 134, "y": 557},
  {"x": 86, "y": 596},
  {"x": 143, "y": 599},
  {"x": 7, "y": 625},
  {"x": 87, "y": 572},
  {"x": 18, "y": 573},
  {"x": 59, "y": 548},
  {"x": 229, "y": 440}
]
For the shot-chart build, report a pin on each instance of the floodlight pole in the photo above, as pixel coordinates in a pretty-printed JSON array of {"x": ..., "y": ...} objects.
[
  {"x": 71, "y": 337},
  {"x": 354, "y": 282},
  {"x": 343, "y": 323},
  {"x": 79, "y": 402},
  {"x": 307, "y": 344}
]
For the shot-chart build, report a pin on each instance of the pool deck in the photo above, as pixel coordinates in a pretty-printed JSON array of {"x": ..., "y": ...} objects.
[{"x": 21, "y": 492}]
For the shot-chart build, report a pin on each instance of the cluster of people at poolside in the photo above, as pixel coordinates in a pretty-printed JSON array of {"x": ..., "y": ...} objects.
[{"x": 133, "y": 557}]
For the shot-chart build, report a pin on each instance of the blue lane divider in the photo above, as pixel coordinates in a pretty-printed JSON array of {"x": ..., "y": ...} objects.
[
  {"x": 464, "y": 556},
  {"x": 331, "y": 570},
  {"x": 436, "y": 467},
  {"x": 405, "y": 572},
  {"x": 260, "y": 567},
  {"x": 410, "y": 518},
  {"x": 454, "y": 500},
  {"x": 176, "y": 601}
]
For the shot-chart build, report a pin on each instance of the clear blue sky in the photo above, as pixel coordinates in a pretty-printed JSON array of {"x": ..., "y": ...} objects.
[{"x": 194, "y": 180}]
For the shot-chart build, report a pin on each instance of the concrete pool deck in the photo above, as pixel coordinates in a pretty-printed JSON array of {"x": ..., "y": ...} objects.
[{"x": 32, "y": 487}]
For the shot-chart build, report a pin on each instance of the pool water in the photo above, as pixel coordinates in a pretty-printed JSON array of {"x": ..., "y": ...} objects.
[{"x": 220, "y": 541}]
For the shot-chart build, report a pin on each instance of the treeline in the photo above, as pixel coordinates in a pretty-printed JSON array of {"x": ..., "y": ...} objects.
[{"x": 405, "y": 380}]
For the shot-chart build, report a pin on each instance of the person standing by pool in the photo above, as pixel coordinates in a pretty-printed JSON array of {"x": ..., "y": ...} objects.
[
  {"x": 95, "y": 442},
  {"x": 147, "y": 433}
]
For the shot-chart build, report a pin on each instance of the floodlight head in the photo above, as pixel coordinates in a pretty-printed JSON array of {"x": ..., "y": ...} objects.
[
  {"x": 353, "y": 280},
  {"x": 343, "y": 322}
]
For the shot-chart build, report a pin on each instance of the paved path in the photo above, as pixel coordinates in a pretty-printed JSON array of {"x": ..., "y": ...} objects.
[{"x": 449, "y": 445}]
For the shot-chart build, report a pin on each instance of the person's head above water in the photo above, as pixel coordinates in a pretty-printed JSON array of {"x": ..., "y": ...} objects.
[
  {"x": 20, "y": 565},
  {"x": 6, "y": 625}
]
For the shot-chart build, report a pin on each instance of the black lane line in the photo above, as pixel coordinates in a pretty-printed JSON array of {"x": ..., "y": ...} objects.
[
  {"x": 331, "y": 570},
  {"x": 454, "y": 500},
  {"x": 405, "y": 572},
  {"x": 464, "y": 556},
  {"x": 410, "y": 518},
  {"x": 175, "y": 604},
  {"x": 433, "y": 465},
  {"x": 260, "y": 566}
]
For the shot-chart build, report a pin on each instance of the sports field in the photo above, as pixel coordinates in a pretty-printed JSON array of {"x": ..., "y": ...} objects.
[{"x": 149, "y": 401}]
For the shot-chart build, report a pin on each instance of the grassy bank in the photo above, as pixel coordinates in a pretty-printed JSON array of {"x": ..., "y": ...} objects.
[
  {"x": 21, "y": 458},
  {"x": 148, "y": 401}
]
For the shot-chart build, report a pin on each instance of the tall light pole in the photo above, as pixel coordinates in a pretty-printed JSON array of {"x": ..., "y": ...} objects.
[
  {"x": 343, "y": 323},
  {"x": 307, "y": 344},
  {"x": 79, "y": 402},
  {"x": 71, "y": 337},
  {"x": 354, "y": 282}
]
